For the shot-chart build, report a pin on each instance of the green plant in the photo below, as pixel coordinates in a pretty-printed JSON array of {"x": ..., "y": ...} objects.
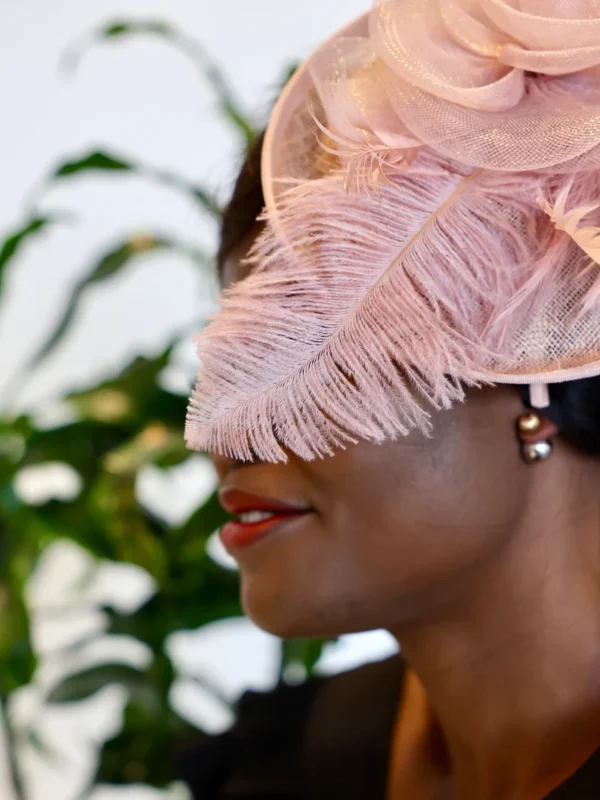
[{"x": 119, "y": 427}]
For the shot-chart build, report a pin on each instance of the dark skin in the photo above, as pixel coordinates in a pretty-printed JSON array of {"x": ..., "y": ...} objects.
[{"x": 485, "y": 569}]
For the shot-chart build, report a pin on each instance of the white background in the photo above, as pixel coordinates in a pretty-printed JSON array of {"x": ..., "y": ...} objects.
[{"x": 144, "y": 101}]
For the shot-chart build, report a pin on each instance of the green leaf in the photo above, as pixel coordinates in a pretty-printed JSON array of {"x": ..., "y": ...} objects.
[
  {"x": 197, "y": 593},
  {"x": 22, "y": 663},
  {"x": 203, "y": 197},
  {"x": 80, "y": 444},
  {"x": 17, "y": 659},
  {"x": 132, "y": 534},
  {"x": 102, "y": 161},
  {"x": 11, "y": 245},
  {"x": 127, "y": 28},
  {"x": 117, "y": 29},
  {"x": 86, "y": 683},
  {"x": 136, "y": 381},
  {"x": 202, "y": 523},
  {"x": 288, "y": 75},
  {"x": 156, "y": 444},
  {"x": 10, "y": 504},
  {"x": 143, "y": 752},
  {"x": 109, "y": 265},
  {"x": 206, "y": 200},
  {"x": 96, "y": 161},
  {"x": 302, "y": 651}
]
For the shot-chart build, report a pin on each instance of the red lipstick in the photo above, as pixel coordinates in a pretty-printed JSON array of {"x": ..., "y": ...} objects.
[{"x": 257, "y": 516}]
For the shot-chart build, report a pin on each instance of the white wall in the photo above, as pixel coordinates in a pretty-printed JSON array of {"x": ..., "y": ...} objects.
[{"x": 143, "y": 100}]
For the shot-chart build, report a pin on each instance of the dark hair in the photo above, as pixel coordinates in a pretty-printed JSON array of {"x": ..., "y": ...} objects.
[
  {"x": 247, "y": 202},
  {"x": 575, "y": 404}
]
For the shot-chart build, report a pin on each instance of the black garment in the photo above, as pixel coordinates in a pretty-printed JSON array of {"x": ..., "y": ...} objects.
[{"x": 324, "y": 740}]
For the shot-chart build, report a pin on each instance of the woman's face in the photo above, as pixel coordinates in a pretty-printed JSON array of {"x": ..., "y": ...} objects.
[{"x": 396, "y": 529}]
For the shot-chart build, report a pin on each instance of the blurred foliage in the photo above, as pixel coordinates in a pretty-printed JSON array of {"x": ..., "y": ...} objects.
[
  {"x": 230, "y": 107},
  {"x": 118, "y": 428},
  {"x": 13, "y": 243},
  {"x": 109, "y": 265}
]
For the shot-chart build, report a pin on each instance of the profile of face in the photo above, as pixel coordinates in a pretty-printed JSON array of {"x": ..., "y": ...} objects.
[{"x": 395, "y": 530}]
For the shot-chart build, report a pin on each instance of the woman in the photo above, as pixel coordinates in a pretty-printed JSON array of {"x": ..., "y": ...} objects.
[{"x": 400, "y": 395}]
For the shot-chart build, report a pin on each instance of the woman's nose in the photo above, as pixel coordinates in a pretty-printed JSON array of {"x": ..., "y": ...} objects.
[{"x": 223, "y": 464}]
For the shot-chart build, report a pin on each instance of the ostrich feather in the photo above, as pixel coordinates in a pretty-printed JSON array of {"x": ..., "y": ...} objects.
[
  {"x": 586, "y": 238},
  {"x": 367, "y": 160},
  {"x": 362, "y": 312}
]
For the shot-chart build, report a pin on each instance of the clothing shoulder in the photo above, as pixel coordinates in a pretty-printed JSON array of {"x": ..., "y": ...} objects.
[{"x": 285, "y": 741}]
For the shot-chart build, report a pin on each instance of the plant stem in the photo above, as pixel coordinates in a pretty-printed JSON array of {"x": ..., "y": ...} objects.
[{"x": 11, "y": 750}]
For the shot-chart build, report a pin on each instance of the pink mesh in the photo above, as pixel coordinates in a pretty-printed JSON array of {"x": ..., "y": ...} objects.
[{"x": 432, "y": 180}]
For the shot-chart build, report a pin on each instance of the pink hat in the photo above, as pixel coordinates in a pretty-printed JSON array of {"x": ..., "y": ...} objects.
[{"x": 432, "y": 185}]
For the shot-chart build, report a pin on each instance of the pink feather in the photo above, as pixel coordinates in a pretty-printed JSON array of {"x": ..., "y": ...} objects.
[
  {"x": 587, "y": 238},
  {"x": 410, "y": 257},
  {"x": 360, "y": 309},
  {"x": 367, "y": 162}
]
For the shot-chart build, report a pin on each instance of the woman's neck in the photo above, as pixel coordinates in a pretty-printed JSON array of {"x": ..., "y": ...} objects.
[{"x": 507, "y": 676}]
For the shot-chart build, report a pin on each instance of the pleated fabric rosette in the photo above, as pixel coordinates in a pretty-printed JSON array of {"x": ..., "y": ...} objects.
[{"x": 432, "y": 185}]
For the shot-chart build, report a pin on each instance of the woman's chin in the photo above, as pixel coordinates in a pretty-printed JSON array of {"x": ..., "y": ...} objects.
[
  {"x": 278, "y": 610},
  {"x": 275, "y": 613},
  {"x": 281, "y": 612}
]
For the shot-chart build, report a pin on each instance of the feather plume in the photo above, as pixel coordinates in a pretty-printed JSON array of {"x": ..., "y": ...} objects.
[
  {"x": 366, "y": 309},
  {"x": 363, "y": 311},
  {"x": 367, "y": 160},
  {"x": 586, "y": 238}
]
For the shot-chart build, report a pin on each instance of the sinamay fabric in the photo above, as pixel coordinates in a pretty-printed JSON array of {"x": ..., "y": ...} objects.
[{"x": 432, "y": 179}]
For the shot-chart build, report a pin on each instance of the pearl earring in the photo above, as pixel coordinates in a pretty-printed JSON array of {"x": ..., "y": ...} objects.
[
  {"x": 536, "y": 451},
  {"x": 529, "y": 423},
  {"x": 532, "y": 452}
]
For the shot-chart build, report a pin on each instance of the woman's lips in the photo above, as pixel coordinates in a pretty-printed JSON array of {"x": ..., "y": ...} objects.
[
  {"x": 259, "y": 515},
  {"x": 238, "y": 535}
]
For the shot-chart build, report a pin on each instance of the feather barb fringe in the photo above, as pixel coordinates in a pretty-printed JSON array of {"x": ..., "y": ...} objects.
[
  {"x": 362, "y": 311},
  {"x": 587, "y": 238}
]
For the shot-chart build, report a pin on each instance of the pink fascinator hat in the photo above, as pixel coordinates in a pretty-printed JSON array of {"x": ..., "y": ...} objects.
[{"x": 432, "y": 185}]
